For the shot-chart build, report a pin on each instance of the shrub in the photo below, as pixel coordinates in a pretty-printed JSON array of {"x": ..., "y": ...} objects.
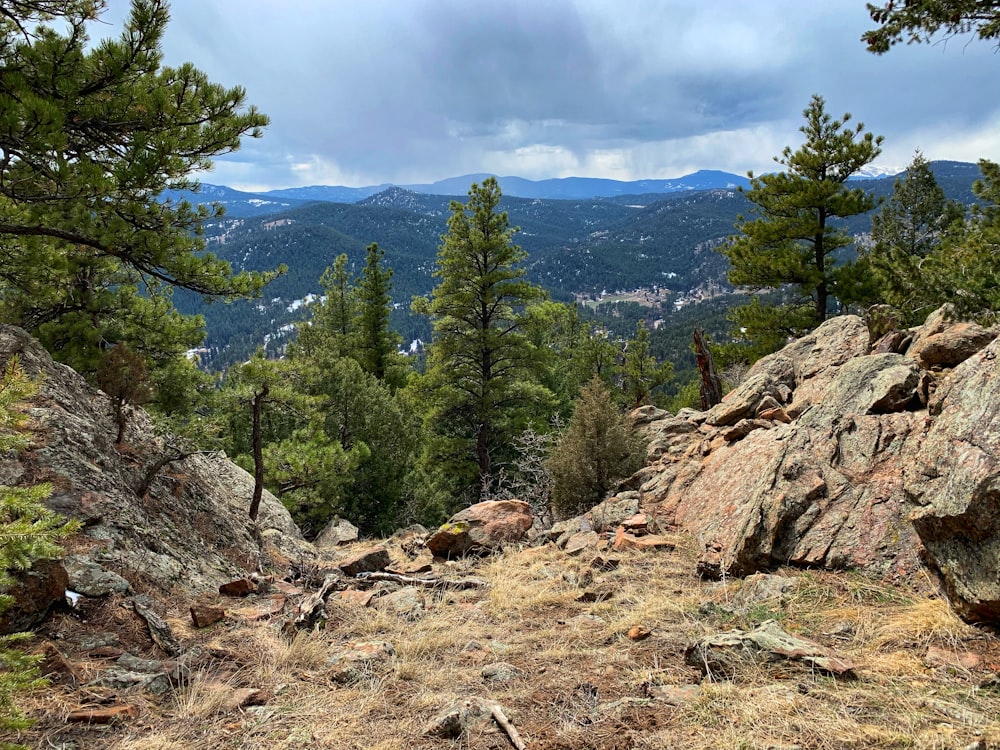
[{"x": 597, "y": 449}]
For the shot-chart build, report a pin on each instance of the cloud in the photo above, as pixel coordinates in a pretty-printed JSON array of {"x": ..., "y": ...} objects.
[{"x": 366, "y": 93}]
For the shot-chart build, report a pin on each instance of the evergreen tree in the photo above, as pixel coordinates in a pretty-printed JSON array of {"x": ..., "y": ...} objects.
[
  {"x": 641, "y": 372},
  {"x": 908, "y": 230},
  {"x": 92, "y": 137},
  {"x": 377, "y": 342},
  {"x": 597, "y": 448},
  {"x": 331, "y": 323},
  {"x": 277, "y": 431},
  {"x": 790, "y": 237},
  {"x": 480, "y": 378},
  {"x": 966, "y": 267},
  {"x": 917, "y": 21},
  {"x": 28, "y": 532},
  {"x": 124, "y": 377}
]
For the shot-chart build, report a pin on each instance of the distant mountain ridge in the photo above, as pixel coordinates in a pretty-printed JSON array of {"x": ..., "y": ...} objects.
[
  {"x": 242, "y": 204},
  {"x": 562, "y": 188},
  {"x": 577, "y": 249}
]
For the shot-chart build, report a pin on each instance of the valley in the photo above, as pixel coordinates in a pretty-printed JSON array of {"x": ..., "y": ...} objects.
[{"x": 654, "y": 250}]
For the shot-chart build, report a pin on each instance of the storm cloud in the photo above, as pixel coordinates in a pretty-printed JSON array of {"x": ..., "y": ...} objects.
[{"x": 364, "y": 93}]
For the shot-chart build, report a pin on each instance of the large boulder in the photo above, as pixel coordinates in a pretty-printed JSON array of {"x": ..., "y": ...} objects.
[
  {"x": 881, "y": 465},
  {"x": 482, "y": 528},
  {"x": 955, "y": 479},
  {"x": 338, "y": 531},
  {"x": 190, "y": 530},
  {"x": 798, "y": 375}
]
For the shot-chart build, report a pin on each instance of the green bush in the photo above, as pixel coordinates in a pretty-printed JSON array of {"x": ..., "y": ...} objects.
[{"x": 597, "y": 449}]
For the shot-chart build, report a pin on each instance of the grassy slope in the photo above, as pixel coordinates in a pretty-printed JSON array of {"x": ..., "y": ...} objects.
[{"x": 918, "y": 684}]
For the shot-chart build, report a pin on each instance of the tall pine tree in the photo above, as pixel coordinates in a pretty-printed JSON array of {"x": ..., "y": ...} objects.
[
  {"x": 93, "y": 134},
  {"x": 377, "y": 343},
  {"x": 907, "y": 233},
  {"x": 789, "y": 239},
  {"x": 480, "y": 378}
]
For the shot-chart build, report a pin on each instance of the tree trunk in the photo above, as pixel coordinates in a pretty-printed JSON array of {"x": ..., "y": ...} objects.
[
  {"x": 120, "y": 420},
  {"x": 821, "y": 289},
  {"x": 483, "y": 455},
  {"x": 711, "y": 387},
  {"x": 258, "y": 453}
]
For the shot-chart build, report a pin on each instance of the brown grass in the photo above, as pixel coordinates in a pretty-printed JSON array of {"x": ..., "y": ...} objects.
[{"x": 579, "y": 682}]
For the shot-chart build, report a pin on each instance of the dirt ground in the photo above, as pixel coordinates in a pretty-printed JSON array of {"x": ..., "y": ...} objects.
[{"x": 576, "y": 654}]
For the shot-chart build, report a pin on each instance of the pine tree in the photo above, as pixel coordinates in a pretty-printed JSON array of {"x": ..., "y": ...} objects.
[
  {"x": 331, "y": 323},
  {"x": 93, "y": 135},
  {"x": 916, "y": 21},
  {"x": 908, "y": 230},
  {"x": 641, "y": 372},
  {"x": 124, "y": 376},
  {"x": 790, "y": 237},
  {"x": 480, "y": 376},
  {"x": 377, "y": 342},
  {"x": 967, "y": 266},
  {"x": 28, "y": 532}
]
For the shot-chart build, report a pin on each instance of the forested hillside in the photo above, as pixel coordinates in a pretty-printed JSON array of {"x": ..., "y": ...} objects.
[{"x": 577, "y": 249}]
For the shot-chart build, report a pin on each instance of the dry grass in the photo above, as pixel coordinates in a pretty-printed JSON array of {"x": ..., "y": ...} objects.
[{"x": 578, "y": 680}]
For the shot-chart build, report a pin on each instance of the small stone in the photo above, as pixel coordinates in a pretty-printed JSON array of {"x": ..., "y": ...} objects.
[
  {"x": 500, "y": 672},
  {"x": 159, "y": 630},
  {"x": 286, "y": 588},
  {"x": 584, "y": 620},
  {"x": 97, "y": 640},
  {"x": 591, "y": 596},
  {"x": 582, "y": 541},
  {"x": 943, "y": 657},
  {"x": 105, "y": 715},
  {"x": 458, "y": 718},
  {"x": 370, "y": 561},
  {"x": 775, "y": 415},
  {"x": 639, "y": 521},
  {"x": 136, "y": 664},
  {"x": 408, "y": 603},
  {"x": 268, "y": 606},
  {"x": 624, "y": 540},
  {"x": 355, "y": 597},
  {"x": 604, "y": 564},
  {"x": 674, "y": 695},
  {"x": 639, "y": 633},
  {"x": 90, "y": 579},
  {"x": 357, "y": 659},
  {"x": 56, "y": 667},
  {"x": 203, "y": 615},
  {"x": 243, "y": 697},
  {"x": 239, "y": 587}
]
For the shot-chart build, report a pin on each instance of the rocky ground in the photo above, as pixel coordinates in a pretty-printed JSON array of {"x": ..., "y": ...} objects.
[{"x": 584, "y": 646}]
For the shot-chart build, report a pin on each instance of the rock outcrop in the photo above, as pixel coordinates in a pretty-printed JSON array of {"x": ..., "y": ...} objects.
[
  {"x": 189, "y": 531},
  {"x": 830, "y": 455},
  {"x": 955, "y": 480}
]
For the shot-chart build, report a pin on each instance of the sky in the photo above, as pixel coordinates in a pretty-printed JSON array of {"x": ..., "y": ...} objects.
[{"x": 367, "y": 92}]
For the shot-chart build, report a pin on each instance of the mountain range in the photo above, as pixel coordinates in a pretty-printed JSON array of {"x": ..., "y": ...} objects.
[
  {"x": 241, "y": 203},
  {"x": 661, "y": 239}
]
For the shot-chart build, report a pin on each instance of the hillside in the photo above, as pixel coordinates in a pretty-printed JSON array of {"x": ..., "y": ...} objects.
[
  {"x": 777, "y": 576},
  {"x": 576, "y": 249}
]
